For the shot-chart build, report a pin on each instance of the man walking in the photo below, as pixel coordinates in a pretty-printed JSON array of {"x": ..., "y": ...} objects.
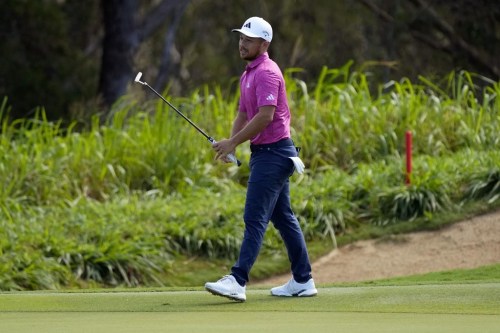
[{"x": 264, "y": 119}]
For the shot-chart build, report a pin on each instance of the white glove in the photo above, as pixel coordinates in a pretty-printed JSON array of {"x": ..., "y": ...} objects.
[{"x": 299, "y": 165}]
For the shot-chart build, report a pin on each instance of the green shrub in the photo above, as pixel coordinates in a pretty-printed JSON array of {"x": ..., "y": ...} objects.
[
  {"x": 118, "y": 201},
  {"x": 484, "y": 185}
]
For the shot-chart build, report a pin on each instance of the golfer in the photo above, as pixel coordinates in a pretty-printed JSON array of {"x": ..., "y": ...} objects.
[{"x": 264, "y": 119}]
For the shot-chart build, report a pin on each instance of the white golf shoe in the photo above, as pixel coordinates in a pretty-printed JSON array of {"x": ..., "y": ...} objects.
[
  {"x": 227, "y": 287},
  {"x": 292, "y": 288}
]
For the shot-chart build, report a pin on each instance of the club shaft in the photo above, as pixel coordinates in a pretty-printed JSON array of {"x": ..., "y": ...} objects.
[
  {"x": 231, "y": 157},
  {"x": 180, "y": 113}
]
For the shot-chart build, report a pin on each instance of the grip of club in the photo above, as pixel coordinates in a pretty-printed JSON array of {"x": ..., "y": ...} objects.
[{"x": 233, "y": 159}]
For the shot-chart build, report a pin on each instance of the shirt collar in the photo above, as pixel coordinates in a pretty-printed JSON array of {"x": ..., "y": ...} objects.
[{"x": 257, "y": 61}]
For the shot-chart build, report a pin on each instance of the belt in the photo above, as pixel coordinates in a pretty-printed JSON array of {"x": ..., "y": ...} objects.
[{"x": 278, "y": 144}]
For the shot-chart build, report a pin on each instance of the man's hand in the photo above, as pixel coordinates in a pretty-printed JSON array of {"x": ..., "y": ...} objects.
[{"x": 223, "y": 148}]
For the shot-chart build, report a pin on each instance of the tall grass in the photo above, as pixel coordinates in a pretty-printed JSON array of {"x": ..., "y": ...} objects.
[
  {"x": 117, "y": 202},
  {"x": 353, "y": 124}
]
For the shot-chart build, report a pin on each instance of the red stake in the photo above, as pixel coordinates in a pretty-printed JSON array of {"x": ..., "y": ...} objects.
[{"x": 408, "y": 156}]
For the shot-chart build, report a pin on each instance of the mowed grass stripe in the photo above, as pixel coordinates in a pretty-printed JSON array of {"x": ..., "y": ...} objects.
[
  {"x": 262, "y": 322},
  {"x": 437, "y": 299}
]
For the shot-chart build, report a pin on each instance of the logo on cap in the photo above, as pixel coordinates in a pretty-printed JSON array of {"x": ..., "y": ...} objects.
[{"x": 248, "y": 25}]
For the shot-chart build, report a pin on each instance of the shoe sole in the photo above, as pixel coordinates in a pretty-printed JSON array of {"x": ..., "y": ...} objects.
[
  {"x": 231, "y": 297},
  {"x": 303, "y": 293}
]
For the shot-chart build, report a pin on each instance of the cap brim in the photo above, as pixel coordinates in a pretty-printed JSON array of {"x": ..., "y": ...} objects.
[{"x": 246, "y": 33}]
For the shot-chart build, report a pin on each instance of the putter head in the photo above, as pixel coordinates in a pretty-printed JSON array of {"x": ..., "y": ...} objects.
[{"x": 138, "y": 78}]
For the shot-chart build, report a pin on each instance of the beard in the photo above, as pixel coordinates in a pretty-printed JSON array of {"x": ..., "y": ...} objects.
[
  {"x": 249, "y": 58},
  {"x": 245, "y": 55}
]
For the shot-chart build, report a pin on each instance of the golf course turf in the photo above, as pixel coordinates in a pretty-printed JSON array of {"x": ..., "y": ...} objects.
[{"x": 469, "y": 307}]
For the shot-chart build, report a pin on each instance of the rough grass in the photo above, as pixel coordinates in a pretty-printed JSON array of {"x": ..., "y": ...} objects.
[{"x": 119, "y": 200}]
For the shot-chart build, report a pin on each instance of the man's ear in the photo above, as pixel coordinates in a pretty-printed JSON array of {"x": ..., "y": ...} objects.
[{"x": 266, "y": 44}]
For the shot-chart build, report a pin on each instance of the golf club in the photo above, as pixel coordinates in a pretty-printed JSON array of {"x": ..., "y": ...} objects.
[{"x": 231, "y": 157}]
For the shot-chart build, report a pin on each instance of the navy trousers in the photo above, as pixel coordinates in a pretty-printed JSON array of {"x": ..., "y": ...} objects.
[{"x": 268, "y": 199}]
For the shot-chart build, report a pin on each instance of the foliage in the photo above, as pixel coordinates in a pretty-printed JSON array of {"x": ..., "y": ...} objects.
[
  {"x": 118, "y": 202},
  {"x": 485, "y": 185},
  {"x": 44, "y": 63},
  {"x": 358, "y": 125},
  {"x": 53, "y": 51}
]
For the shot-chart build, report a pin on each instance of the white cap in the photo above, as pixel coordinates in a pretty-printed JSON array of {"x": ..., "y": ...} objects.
[{"x": 257, "y": 27}]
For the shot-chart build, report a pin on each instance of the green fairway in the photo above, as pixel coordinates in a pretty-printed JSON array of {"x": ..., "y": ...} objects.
[{"x": 422, "y": 308}]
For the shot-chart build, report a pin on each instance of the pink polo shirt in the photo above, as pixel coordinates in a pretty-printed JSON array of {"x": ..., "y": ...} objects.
[{"x": 262, "y": 84}]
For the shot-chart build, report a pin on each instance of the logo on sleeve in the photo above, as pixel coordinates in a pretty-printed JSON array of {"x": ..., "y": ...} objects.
[{"x": 270, "y": 97}]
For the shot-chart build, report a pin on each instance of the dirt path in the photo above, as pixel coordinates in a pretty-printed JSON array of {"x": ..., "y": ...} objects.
[{"x": 472, "y": 243}]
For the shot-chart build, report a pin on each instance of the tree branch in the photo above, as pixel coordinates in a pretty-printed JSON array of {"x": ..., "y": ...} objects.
[
  {"x": 424, "y": 38},
  {"x": 154, "y": 19},
  {"x": 441, "y": 25},
  {"x": 379, "y": 11},
  {"x": 457, "y": 40}
]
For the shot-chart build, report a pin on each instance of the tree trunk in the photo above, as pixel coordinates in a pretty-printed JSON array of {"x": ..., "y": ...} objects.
[
  {"x": 120, "y": 41},
  {"x": 122, "y": 37},
  {"x": 170, "y": 56}
]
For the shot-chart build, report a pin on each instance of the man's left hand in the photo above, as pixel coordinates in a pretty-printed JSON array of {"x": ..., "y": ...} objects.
[{"x": 223, "y": 148}]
